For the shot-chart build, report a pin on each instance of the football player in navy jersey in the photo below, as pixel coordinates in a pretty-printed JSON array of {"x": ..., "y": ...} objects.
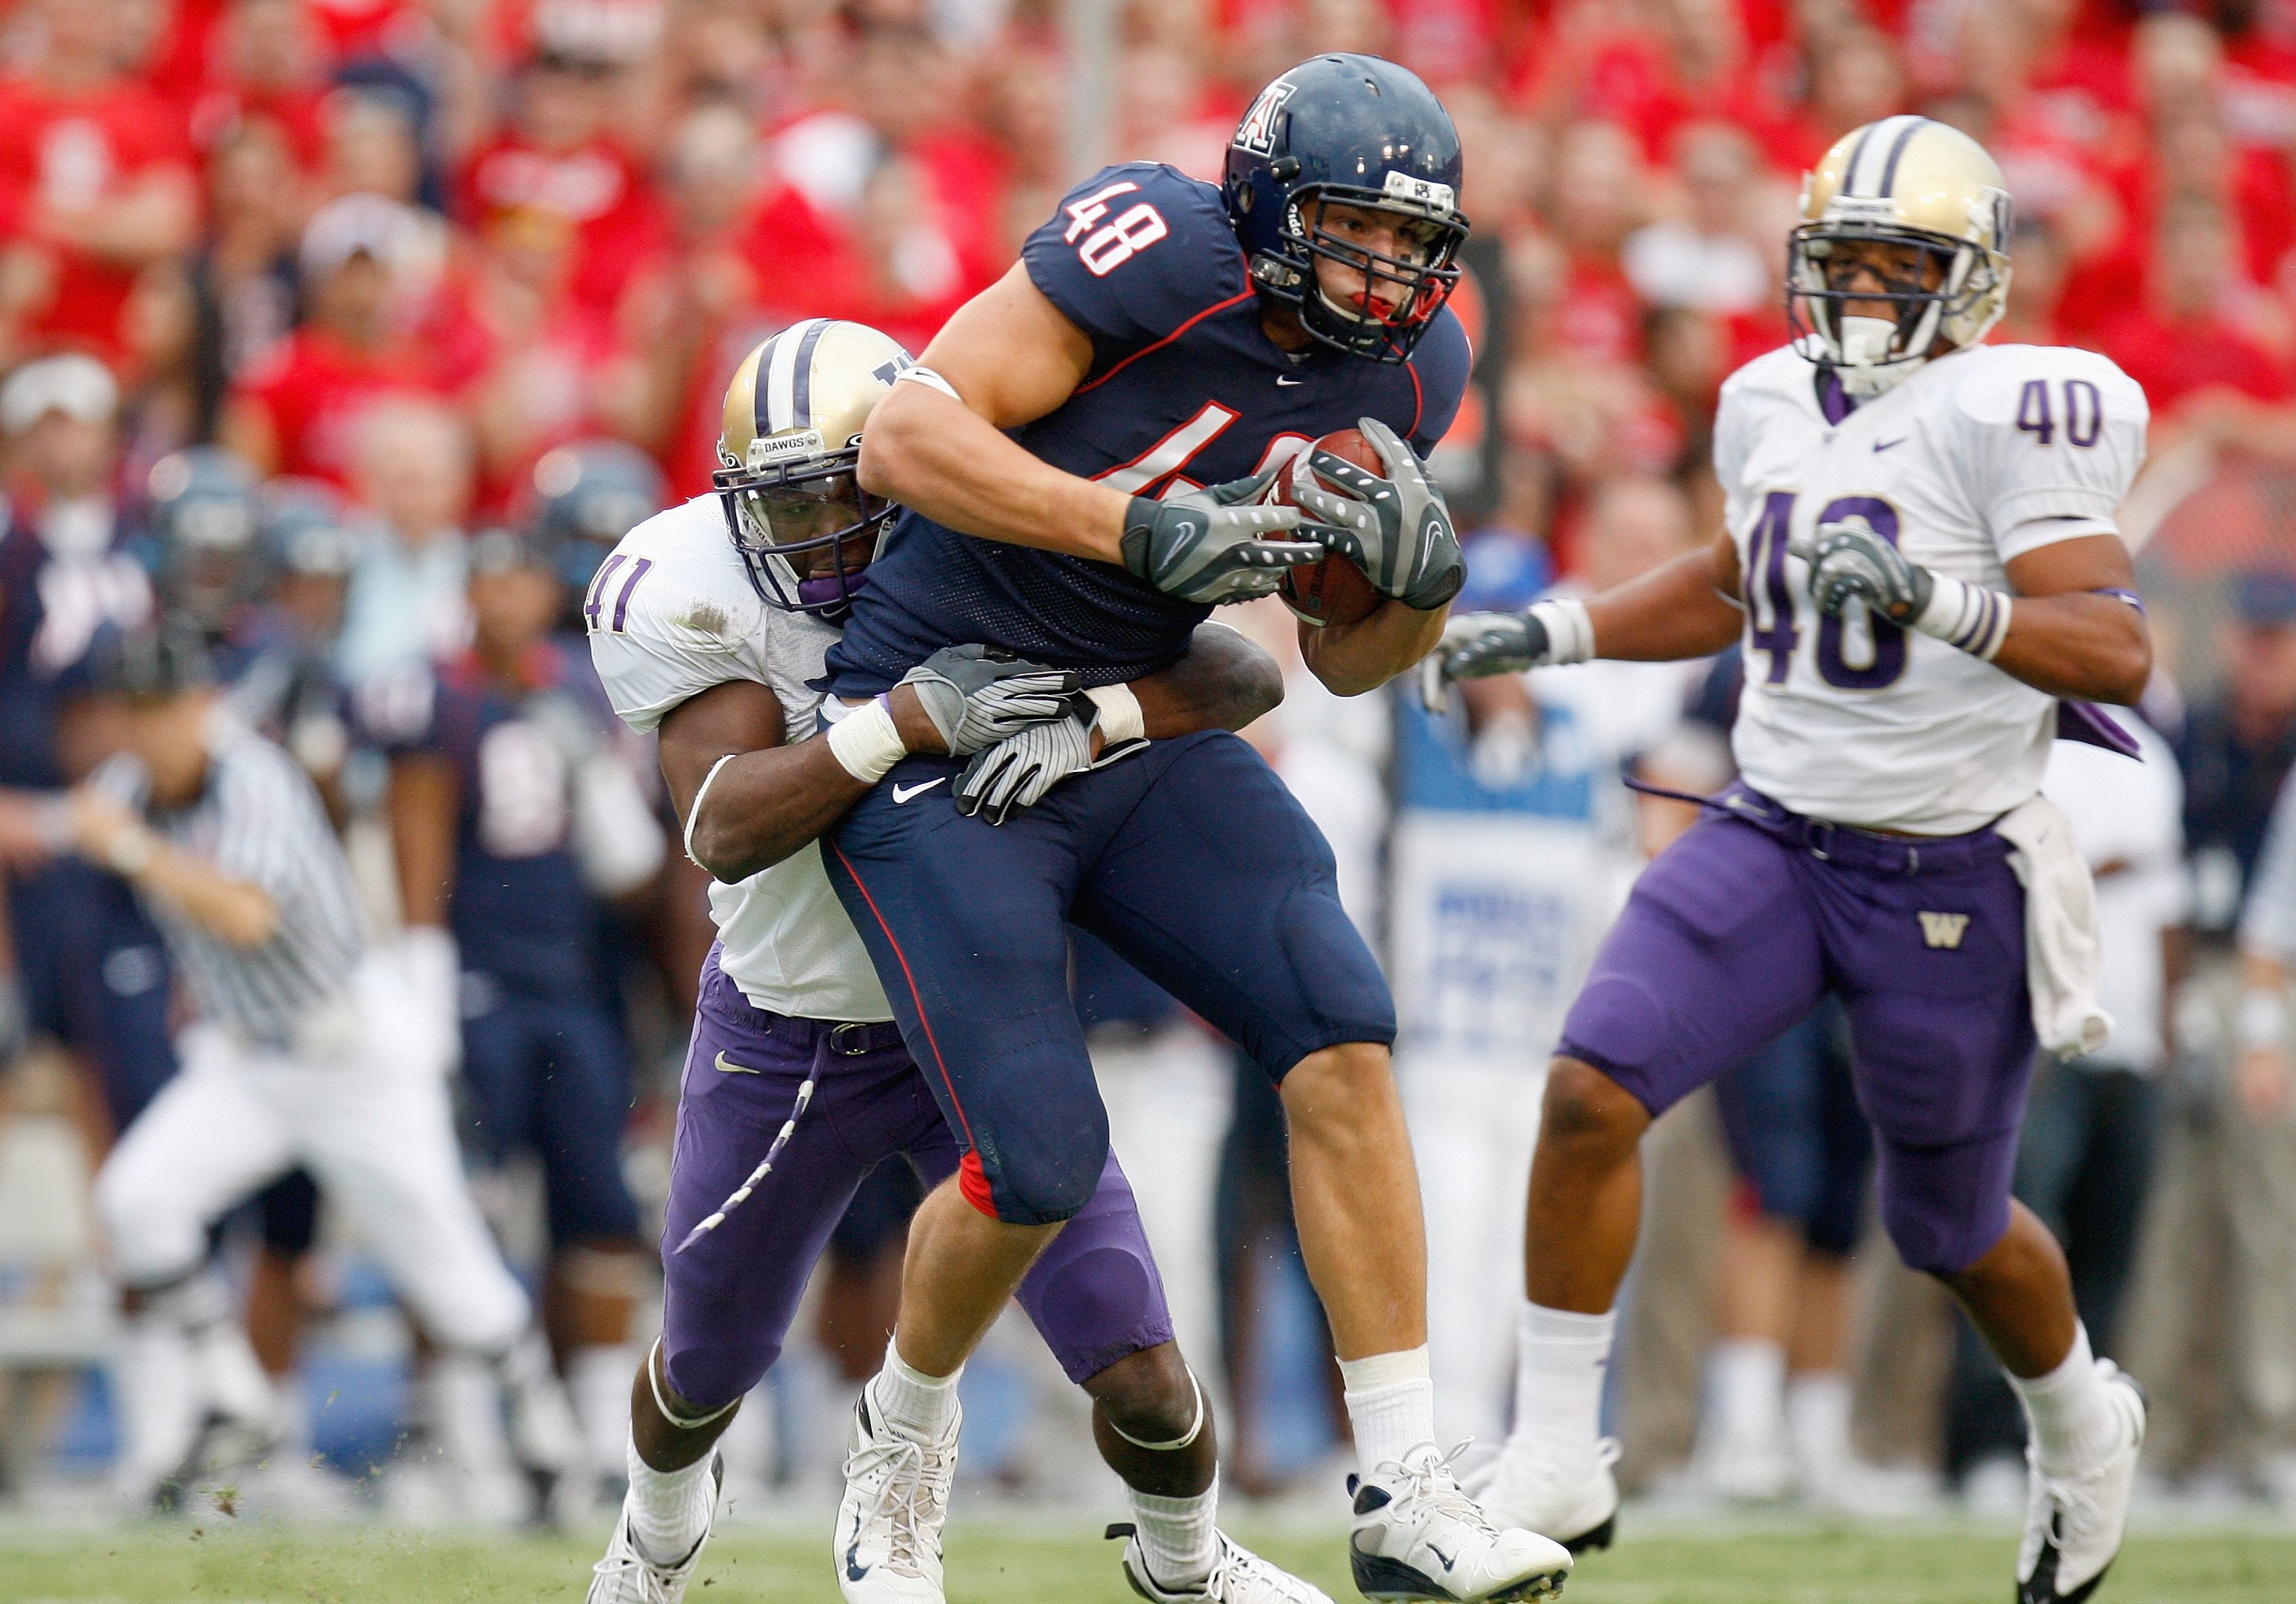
[
  {"x": 89, "y": 969},
  {"x": 1083, "y": 454},
  {"x": 511, "y": 815}
]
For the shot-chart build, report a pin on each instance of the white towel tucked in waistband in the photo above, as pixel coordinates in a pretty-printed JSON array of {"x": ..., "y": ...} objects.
[{"x": 2061, "y": 937}]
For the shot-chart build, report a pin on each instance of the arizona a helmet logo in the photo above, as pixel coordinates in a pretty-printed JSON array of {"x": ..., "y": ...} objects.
[{"x": 1257, "y": 131}]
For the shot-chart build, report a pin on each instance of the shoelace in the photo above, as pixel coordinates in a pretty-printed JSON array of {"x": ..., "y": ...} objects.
[
  {"x": 633, "y": 1561},
  {"x": 1428, "y": 1479},
  {"x": 909, "y": 1486},
  {"x": 1233, "y": 1565}
]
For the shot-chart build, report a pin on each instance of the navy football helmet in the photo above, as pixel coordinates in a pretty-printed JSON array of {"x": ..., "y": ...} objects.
[
  {"x": 586, "y": 496},
  {"x": 203, "y": 515},
  {"x": 1357, "y": 131}
]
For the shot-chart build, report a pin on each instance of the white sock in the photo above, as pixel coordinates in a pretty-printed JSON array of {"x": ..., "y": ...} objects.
[
  {"x": 1391, "y": 1399},
  {"x": 1179, "y": 1537},
  {"x": 911, "y": 1403},
  {"x": 463, "y": 1402},
  {"x": 292, "y": 1415},
  {"x": 598, "y": 1385},
  {"x": 1817, "y": 1425},
  {"x": 1560, "y": 1359},
  {"x": 667, "y": 1514},
  {"x": 2072, "y": 1420},
  {"x": 1747, "y": 1377}
]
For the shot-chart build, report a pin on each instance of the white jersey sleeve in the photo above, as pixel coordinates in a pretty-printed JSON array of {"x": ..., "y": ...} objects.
[
  {"x": 671, "y": 614},
  {"x": 2048, "y": 439}
]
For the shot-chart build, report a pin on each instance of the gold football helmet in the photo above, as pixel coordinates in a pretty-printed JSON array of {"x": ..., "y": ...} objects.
[
  {"x": 787, "y": 454},
  {"x": 1904, "y": 181}
]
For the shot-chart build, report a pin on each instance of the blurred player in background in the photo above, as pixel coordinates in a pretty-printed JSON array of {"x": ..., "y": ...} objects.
[
  {"x": 1922, "y": 557},
  {"x": 303, "y": 1050},
  {"x": 515, "y": 809},
  {"x": 89, "y": 968},
  {"x": 709, "y": 625}
]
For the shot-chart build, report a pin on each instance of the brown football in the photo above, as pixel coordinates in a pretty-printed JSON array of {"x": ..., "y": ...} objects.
[{"x": 1334, "y": 590}]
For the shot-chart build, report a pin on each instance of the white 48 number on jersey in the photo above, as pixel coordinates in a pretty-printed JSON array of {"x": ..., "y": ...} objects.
[{"x": 1107, "y": 247}]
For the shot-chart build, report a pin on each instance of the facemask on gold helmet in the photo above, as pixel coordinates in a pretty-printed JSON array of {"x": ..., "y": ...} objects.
[
  {"x": 789, "y": 452},
  {"x": 1904, "y": 217}
]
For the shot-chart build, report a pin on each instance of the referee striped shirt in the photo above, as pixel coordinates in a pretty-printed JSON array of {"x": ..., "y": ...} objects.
[{"x": 259, "y": 820}]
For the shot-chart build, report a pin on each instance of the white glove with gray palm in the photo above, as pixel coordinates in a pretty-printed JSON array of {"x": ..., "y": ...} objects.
[
  {"x": 978, "y": 695},
  {"x": 1021, "y": 770}
]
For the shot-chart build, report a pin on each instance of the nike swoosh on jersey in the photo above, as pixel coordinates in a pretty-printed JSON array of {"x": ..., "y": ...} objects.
[
  {"x": 1881, "y": 446},
  {"x": 726, "y": 1065},
  {"x": 1281, "y": 383},
  {"x": 903, "y": 793}
]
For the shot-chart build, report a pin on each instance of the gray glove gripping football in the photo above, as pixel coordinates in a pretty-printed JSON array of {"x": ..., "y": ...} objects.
[
  {"x": 1021, "y": 770},
  {"x": 1397, "y": 529},
  {"x": 1212, "y": 545},
  {"x": 1849, "y": 561},
  {"x": 978, "y": 695}
]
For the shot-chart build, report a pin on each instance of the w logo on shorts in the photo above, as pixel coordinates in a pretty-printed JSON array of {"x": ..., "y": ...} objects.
[{"x": 1944, "y": 930}]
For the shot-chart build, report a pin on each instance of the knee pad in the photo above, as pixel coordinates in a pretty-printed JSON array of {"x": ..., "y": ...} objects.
[
  {"x": 1939, "y": 1241},
  {"x": 1041, "y": 1172},
  {"x": 151, "y": 1243}
]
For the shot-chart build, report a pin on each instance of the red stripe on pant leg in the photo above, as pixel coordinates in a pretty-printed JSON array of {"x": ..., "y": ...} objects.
[
  {"x": 969, "y": 1167},
  {"x": 973, "y": 1180}
]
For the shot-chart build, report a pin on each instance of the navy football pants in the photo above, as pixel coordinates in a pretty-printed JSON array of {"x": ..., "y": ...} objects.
[
  {"x": 551, "y": 1074},
  {"x": 1191, "y": 860}
]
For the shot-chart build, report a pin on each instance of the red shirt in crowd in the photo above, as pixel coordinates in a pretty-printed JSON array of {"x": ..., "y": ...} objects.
[
  {"x": 617, "y": 217},
  {"x": 314, "y": 389},
  {"x": 71, "y": 152},
  {"x": 2173, "y": 360}
]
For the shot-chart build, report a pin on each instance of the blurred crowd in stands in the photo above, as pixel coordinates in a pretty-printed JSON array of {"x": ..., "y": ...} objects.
[{"x": 301, "y": 299}]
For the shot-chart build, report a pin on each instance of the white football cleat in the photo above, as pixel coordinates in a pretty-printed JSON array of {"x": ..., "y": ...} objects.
[
  {"x": 2073, "y": 1523},
  {"x": 888, "y": 1539},
  {"x": 1238, "y": 1576},
  {"x": 627, "y": 1576},
  {"x": 1519, "y": 1488},
  {"x": 1416, "y": 1536}
]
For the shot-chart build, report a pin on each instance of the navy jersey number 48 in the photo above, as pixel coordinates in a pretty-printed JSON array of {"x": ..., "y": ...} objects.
[{"x": 1102, "y": 250}]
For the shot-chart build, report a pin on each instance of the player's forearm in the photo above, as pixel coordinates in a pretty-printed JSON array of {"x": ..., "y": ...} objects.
[
  {"x": 1224, "y": 682},
  {"x": 2094, "y": 648},
  {"x": 766, "y": 806},
  {"x": 1352, "y": 659},
  {"x": 1675, "y": 611},
  {"x": 763, "y": 808},
  {"x": 937, "y": 456},
  {"x": 233, "y": 911}
]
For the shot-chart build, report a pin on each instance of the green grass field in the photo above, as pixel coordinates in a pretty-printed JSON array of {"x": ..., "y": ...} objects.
[{"x": 217, "y": 1564}]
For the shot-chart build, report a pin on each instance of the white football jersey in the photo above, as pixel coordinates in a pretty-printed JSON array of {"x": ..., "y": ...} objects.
[
  {"x": 671, "y": 613},
  {"x": 1975, "y": 460}
]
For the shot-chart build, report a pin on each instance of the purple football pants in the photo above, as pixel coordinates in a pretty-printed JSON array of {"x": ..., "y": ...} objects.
[
  {"x": 1737, "y": 931},
  {"x": 1094, "y": 1294}
]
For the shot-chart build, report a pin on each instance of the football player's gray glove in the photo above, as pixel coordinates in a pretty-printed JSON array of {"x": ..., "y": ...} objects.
[
  {"x": 1478, "y": 645},
  {"x": 1848, "y": 560},
  {"x": 978, "y": 695},
  {"x": 1398, "y": 529},
  {"x": 1021, "y": 770},
  {"x": 1212, "y": 545}
]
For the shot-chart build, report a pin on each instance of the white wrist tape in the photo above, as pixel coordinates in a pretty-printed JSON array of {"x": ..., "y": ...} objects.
[
  {"x": 866, "y": 744},
  {"x": 1120, "y": 718},
  {"x": 2262, "y": 1018},
  {"x": 1569, "y": 632},
  {"x": 1967, "y": 616}
]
